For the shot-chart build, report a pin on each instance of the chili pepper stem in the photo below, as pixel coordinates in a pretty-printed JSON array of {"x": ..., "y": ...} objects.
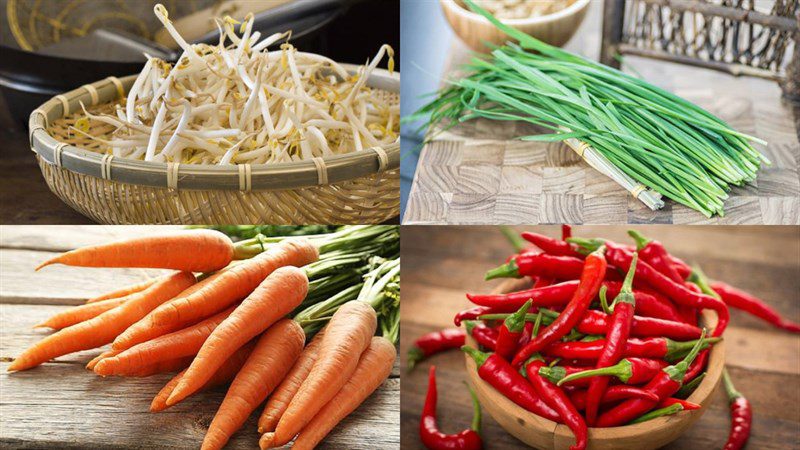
[
  {"x": 641, "y": 241},
  {"x": 514, "y": 238},
  {"x": 621, "y": 370},
  {"x": 478, "y": 356},
  {"x": 507, "y": 270},
  {"x": 677, "y": 371},
  {"x": 676, "y": 349},
  {"x": 476, "y": 410},
  {"x": 730, "y": 389},
  {"x": 415, "y": 355},
  {"x": 516, "y": 321},
  {"x": 689, "y": 387},
  {"x": 701, "y": 280},
  {"x": 666, "y": 411}
]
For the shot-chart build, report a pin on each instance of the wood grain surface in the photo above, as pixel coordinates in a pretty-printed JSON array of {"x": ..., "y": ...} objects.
[
  {"x": 479, "y": 174},
  {"x": 62, "y": 405},
  {"x": 440, "y": 264}
]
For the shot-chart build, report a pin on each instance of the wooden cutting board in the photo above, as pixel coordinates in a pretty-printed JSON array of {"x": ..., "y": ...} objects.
[
  {"x": 440, "y": 264},
  {"x": 480, "y": 174},
  {"x": 62, "y": 405}
]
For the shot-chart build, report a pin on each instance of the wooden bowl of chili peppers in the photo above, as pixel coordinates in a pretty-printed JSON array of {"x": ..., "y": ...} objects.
[{"x": 534, "y": 346}]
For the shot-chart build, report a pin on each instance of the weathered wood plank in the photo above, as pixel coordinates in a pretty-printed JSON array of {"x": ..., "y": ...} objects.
[
  {"x": 61, "y": 405},
  {"x": 58, "y": 284},
  {"x": 61, "y": 238}
]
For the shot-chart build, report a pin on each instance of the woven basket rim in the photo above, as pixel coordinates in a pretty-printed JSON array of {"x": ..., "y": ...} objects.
[{"x": 291, "y": 175}]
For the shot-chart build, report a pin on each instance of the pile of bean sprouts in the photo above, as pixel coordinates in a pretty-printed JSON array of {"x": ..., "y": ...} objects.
[{"x": 239, "y": 103}]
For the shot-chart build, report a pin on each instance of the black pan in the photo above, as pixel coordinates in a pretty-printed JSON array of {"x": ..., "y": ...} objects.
[{"x": 28, "y": 79}]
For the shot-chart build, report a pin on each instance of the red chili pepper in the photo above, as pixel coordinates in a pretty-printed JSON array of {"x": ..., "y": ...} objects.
[
  {"x": 555, "y": 295},
  {"x": 596, "y": 322},
  {"x": 429, "y": 430},
  {"x": 618, "y": 330},
  {"x": 741, "y": 415},
  {"x": 541, "y": 282},
  {"x": 664, "y": 385},
  {"x": 677, "y": 292},
  {"x": 687, "y": 406},
  {"x": 653, "y": 252},
  {"x": 591, "y": 278},
  {"x": 642, "y": 348},
  {"x": 566, "y": 232},
  {"x": 474, "y": 313},
  {"x": 511, "y": 332},
  {"x": 526, "y": 334},
  {"x": 628, "y": 370},
  {"x": 697, "y": 366},
  {"x": 683, "y": 269},
  {"x": 752, "y": 305},
  {"x": 648, "y": 303},
  {"x": 435, "y": 342},
  {"x": 558, "y": 400},
  {"x": 557, "y": 267},
  {"x": 550, "y": 246},
  {"x": 612, "y": 394},
  {"x": 486, "y": 337},
  {"x": 502, "y": 376}
]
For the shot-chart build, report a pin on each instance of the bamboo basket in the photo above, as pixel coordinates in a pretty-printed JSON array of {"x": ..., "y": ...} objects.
[{"x": 359, "y": 187}]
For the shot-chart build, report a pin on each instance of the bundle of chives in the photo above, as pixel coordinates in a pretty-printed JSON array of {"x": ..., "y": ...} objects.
[{"x": 657, "y": 138}]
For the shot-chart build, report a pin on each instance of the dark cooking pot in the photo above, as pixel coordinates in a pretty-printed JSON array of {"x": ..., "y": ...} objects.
[{"x": 28, "y": 79}]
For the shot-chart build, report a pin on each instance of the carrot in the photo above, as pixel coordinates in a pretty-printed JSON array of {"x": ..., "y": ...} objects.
[
  {"x": 186, "y": 342},
  {"x": 127, "y": 290},
  {"x": 80, "y": 313},
  {"x": 346, "y": 337},
  {"x": 186, "y": 250},
  {"x": 279, "y": 400},
  {"x": 170, "y": 365},
  {"x": 275, "y": 352},
  {"x": 106, "y": 354},
  {"x": 219, "y": 291},
  {"x": 145, "y": 330},
  {"x": 225, "y": 373},
  {"x": 373, "y": 368},
  {"x": 104, "y": 328},
  {"x": 278, "y": 295}
]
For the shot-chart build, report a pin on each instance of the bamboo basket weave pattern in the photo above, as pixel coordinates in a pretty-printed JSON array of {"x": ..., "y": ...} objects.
[{"x": 357, "y": 187}]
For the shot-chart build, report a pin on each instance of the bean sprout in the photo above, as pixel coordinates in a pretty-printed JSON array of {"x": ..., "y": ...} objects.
[{"x": 237, "y": 102}]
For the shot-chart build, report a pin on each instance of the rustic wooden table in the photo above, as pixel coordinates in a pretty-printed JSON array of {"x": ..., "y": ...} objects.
[
  {"x": 440, "y": 264},
  {"x": 61, "y": 405},
  {"x": 478, "y": 173}
]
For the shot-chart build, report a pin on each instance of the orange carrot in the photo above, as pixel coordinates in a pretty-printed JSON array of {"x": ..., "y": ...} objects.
[
  {"x": 127, "y": 290},
  {"x": 224, "y": 374},
  {"x": 346, "y": 337},
  {"x": 107, "y": 354},
  {"x": 219, "y": 291},
  {"x": 275, "y": 352},
  {"x": 145, "y": 330},
  {"x": 279, "y": 400},
  {"x": 186, "y": 342},
  {"x": 373, "y": 368},
  {"x": 278, "y": 295},
  {"x": 170, "y": 365},
  {"x": 186, "y": 250},
  {"x": 104, "y": 328},
  {"x": 80, "y": 313}
]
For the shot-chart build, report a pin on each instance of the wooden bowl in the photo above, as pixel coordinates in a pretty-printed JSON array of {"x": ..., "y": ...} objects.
[
  {"x": 555, "y": 29},
  {"x": 541, "y": 433}
]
